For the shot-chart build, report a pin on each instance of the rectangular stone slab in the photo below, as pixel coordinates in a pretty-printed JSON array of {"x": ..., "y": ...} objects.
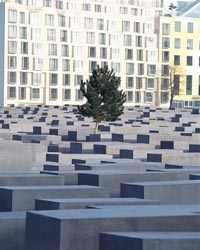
[
  {"x": 51, "y": 204},
  {"x": 73, "y": 229},
  {"x": 166, "y": 192},
  {"x": 22, "y": 198},
  {"x": 150, "y": 241}
]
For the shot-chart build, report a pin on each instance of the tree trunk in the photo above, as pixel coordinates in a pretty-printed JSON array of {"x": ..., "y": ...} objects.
[
  {"x": 171, "y": 103},
  {"x": 96, "y": 129}
]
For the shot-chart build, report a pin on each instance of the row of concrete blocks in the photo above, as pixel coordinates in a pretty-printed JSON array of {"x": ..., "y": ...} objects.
[{"x": 105, "y": 218}]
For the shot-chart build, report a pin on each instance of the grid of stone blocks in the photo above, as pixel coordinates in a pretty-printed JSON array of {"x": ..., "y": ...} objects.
[{"x": 133, "y": 186}]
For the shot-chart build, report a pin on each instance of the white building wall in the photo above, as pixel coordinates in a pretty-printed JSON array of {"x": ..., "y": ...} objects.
[
  {"x": 137, "y": 22},
  {"x": 2, "y": 57}
]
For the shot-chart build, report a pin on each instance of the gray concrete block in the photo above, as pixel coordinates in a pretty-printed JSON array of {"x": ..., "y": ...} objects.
[
  {"x": 52, "y": 204},
  {"x": 166, "y": 192},
  {"x": 21, "y": 198},
  {"x": 149, "y": 241},
  {"x": 12, "y": 230},
  {"x": 111, "y": 180},
  {"x": 20, "y": 179},
  {"x": 69, "y": 229}
]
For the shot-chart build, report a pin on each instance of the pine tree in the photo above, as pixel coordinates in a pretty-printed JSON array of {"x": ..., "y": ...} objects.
[{"x": 104, "y": 101}]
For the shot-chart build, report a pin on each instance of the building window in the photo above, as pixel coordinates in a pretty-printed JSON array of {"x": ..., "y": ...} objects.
[
  {"x": 77, "y": 51},
  {"x": 190, "y": 27},
  {"x": 129, "y": 82},
  {"x": 165, "y": 70},
  {"x": 53, "y": 64},
  {"x": 128, "y": 54},
  {"x": 139, "y": 82},
  {"x": 100, "y": 24},
  {"x": 66, "y": 79},
  {"x": 22, "y": 93},
  {"x": 140, "y": 69},
  {"x": 88, "y": 23},
  {"x": 97, "y": 8},
  {"x": 102, "y": 38},
  {"x": 123, "y": 10},
  {"x": 49, "y": 20},
  {"x": 137, "y": 27},
  {"x": 79, "y": 95},
  {"x": 22, "y": 17},
  {"x": 166, "y": 28},
  {"x": 188, "y": 84},
  {"x": 176, "y": 84},
  {"x": 65, "y": 50},
  {"x": 12, "y": 16},
  {"x": 90, "y": 37},
  {"x": 149, "y": 42},
  {"x": 116, "y": 67},
  {"x": 66, "y": 94},
  {"x": 25, "y": 63},
  {"x": 12, "y": 31},
  {"x": 91, "y": 52},
  {"x": 53, "y": 94},
  {"x": 127, "y": 40},
  {"x": 129, "y": 68},
  {"x": 114, "y": 39},
  {"x": 61, "y": 21},
  {"x": 150, "y": 83},
  {"x": 59, "y": 4},
  {"x": 11, "y": 92},
  {"x": 111, "y": 25},
  {"x": 138, "y": 97},
  {"x": 78, "y": 79},
  {"x": 38, "y": 64},
  {"x": 36, "y": 34},
  {"x": 34, "y": 18},
  {"x": 66, "y": 65},
  {"x": 164, "y": 83},
  {"x": 189, "y": 43},
  {"x": 12, "y": 47},
  {"x": 12, "y": 62},
  {"x": 138, "y": 41},
  {"x": 164, "y": 97},
  {"x": 140, "y": 55},
  {"x": 86, "y": 6},
  {"x": 92, "y": 65},
  {"x": 23, "y": 78},
  {"x": 36, "y": 78},
  {"x": 176, "y": 60},
  {"x": 12, "y": 77},
  {"x": 51, "y": 35},
  {"x": 151, "y": 69},
  {"x": 53, "y": 79},
  {"x": 36, "y": 48},
  {"x": 115, "y": 53},
  {"x": 177, "y": 43},
  {"x": 165, "y": 43},
  {"x": 52, "y": 49},
  {"x": 177, "y": 26},
  {"x": 151, "y": 55},
  {"x": 126, "y": 26},
  {"x": 35, "y": 93},
  {"x": 148, "y": 97},
  {"x": 23, "y": 33},
  {"x": 47, "y": 3},
  {"x": 189, "y": 60},
  {"x": 129, "y": 96},
  {"x": 24, "y": 47},
  {"x": 165, "y": 56},
  {"x": 78, "y": 66},
  {"x": 103, "y": 53}
]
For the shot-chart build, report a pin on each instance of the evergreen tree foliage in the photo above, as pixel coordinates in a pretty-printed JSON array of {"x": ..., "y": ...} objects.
[{"x": 104, "y": 101}]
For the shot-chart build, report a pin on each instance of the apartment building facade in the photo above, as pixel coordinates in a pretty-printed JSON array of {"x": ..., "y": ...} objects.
[{"x": 47, "y": 47}]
